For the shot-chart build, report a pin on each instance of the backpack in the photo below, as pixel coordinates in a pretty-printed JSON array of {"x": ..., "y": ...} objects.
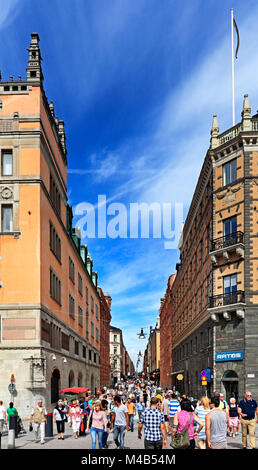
[{"x": 181, "y": 439}]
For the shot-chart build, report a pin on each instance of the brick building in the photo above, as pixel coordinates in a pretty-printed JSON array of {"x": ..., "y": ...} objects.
[
  {"x": 215, "y": 292},
  {"x": 105, "y": 318},
  {"x": 49, "y": 302},
  {"x": 120, "y": 362},
  {"x": 166, "y": 311}
]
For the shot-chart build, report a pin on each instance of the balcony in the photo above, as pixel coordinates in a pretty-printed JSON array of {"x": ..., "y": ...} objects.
[
  {"x": 223, "y": 246},
  {"x": 225, "y": 304}
]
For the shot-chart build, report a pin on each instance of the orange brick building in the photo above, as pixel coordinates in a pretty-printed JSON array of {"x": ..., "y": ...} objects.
[
  {"x": 49, "y": 301},
  {"x": 215, "y": 293}
]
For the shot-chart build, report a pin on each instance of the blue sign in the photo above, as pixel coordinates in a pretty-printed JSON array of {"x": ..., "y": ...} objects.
[
  {"x": 206, "y": 373},
  {"x": 230, "y": 356}
]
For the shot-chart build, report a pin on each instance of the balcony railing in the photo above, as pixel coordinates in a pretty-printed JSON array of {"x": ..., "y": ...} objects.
[
  {"x": 227, "y": 241},
  {"x": 227, "y": 299}
]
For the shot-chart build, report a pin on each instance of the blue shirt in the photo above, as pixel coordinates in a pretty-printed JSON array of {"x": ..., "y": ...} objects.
[
  {"x": 248, "y": 408},
  {"x": 140, "y": 406}
]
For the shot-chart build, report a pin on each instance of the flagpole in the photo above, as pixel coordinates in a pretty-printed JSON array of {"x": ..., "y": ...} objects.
[{"x": 233, "y": 76}]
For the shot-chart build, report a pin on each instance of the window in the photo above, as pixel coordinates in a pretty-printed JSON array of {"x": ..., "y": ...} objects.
[
  {"x": 55, "y": 195},
  {"x": 76, "y": 348},
  {"x": 7, "y": 218},
  {"x": 84, "y": 352},
  {"x": 230, "y": 172},
  {"x": 209, "y": 336},
  {"x": 87, "y": 324},
  {"x": 71, "y": 269},
  {"x": 92, "y": 329},
  {"x": 80, "y": 316},
  {"x": 71, "y": 306},
  {"x": 89, "y": 355},
  {"x": 97, "y": 311},
  {"x": 7, "y": 163},
  {"x": 92, "y": 303},
  {"x": 65, "y": 342},
  {"x": 97, "y": 334},
  {"x": 230, "y": 284},
  {"x": 201, "y": 340},
  {"x": 55, "y": 287},
  {"x": 79, "y": 283},
  {"x": 115, "y": 338},
  {"x": 87, "y": 295},
  {"x": 55, "y": 242},
  {"x": 230, "y": 226}
]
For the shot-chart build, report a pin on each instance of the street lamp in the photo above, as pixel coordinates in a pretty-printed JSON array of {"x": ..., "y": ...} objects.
[{"x": 141, "y": 334}]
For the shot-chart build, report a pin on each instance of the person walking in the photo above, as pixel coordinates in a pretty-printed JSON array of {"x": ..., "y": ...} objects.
[
  {"x": 120, "y": 418},
  {"x": 233, "y": 423},
  {"x": 184, "y": 419},
  {"x": 3, "y": 419},
  {"x": 140, "y": 407},
  {"x": 216, "y": 423},
  {"x": 59, "y": 417},
  {"x": 131, "y": 412},
  {"x": 39, "y": 418},
  {"x": 247, "y": 409},
  {"x": 75, "y": 418},
  {"x": 173, "y": 406},
  {"x": 201, "y": 411},
  {"x": 98, "y": 426},
  {"x": 155, "y": 436},
  {"x": 164, "y": 409}
]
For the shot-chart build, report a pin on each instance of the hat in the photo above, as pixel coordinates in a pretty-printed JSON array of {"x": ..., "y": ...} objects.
[{"x": 60, "y": 401}]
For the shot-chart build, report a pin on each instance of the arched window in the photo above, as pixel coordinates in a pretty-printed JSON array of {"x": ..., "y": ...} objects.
[
  {"x": 55, "y": 379},
  {"x": 71, "y": 379},
  {"x": 80, "y": 379}
]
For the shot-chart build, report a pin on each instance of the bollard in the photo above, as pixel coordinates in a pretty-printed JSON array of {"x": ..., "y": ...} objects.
[
  {"x": 49, "y": 426},
  {"x": 13, "y": 424}
]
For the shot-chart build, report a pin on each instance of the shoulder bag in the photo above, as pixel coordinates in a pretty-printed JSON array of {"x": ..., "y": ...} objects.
[{"x": 181, "y": 439}]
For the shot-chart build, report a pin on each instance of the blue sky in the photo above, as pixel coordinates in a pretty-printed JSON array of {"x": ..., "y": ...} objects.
[{"x": 137, "y": 83}]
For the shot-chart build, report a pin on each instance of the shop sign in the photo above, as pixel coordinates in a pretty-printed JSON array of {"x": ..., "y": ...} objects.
[{"x": 230, "y": 356}]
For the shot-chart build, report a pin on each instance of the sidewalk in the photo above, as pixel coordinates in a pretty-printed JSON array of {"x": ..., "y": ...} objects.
[{"x": 27, "y": 441}]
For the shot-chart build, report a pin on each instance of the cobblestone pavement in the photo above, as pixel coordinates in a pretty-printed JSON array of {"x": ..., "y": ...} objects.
[{"x": 27, "y": 441}]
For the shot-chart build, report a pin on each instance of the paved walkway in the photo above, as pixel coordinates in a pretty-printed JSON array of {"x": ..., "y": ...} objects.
[{"x": 27, "y": 441}]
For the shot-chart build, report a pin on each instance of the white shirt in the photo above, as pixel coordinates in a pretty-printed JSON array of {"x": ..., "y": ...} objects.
[{"x": 2, "y": 411}]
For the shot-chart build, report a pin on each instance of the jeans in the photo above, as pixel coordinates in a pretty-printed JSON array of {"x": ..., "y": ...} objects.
[
  {"x": 105, "y": 437},
  {"x": 131, "y": 421},
  {"x": 119, "y": 431},
  {"x": 153, "y": 444},
  {"x": 94, "y": 432}
]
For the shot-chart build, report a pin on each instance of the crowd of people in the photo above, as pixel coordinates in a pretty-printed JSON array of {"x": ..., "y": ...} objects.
[{"x": 162, "y": 414}]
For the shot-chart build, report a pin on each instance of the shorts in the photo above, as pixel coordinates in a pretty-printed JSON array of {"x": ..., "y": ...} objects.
[
  {"x": 171, "y": 420},
  {"x": 166, "y": 418},
  {"x": 233, "y": 422}
]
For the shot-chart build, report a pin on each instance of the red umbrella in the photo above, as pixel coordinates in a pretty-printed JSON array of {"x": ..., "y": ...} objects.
[{"x": 74, "y": 390}]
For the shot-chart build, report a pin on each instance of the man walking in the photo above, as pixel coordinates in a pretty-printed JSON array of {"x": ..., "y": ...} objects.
[
  {"x": 140, "y": 407},
  {"x": 247, "y": 409},
  {"x": 173, "y": 405},
  {"x": 39, "y": 416},
  {"x": 120, "y": 418},
  {"x": 3, "y": 419},
  {"x": 155, "y": 436},
  {"x": 216, "y": 423},
  {"x": 131, "y": 412}
]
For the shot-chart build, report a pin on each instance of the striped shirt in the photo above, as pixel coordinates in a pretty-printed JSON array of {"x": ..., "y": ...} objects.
[
  {"x": 173, "y": 406},
  {"x": 201, "y": 413}
]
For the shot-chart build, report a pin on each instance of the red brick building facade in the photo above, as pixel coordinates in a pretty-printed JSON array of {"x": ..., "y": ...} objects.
[
  {"x": 105, "y": 318},
  {"x": 166, "y": 312}
]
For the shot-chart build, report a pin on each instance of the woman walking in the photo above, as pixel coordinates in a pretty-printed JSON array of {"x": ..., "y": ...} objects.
[
  {"x": 75, "y": 417},
  {"x": 233, "y": 418},
  {"x": 59, "y": 417},
  {"x": 183, "y": 418},
  {"x": 201, "y": 412},
  {"x": 99, "y": 424}
]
